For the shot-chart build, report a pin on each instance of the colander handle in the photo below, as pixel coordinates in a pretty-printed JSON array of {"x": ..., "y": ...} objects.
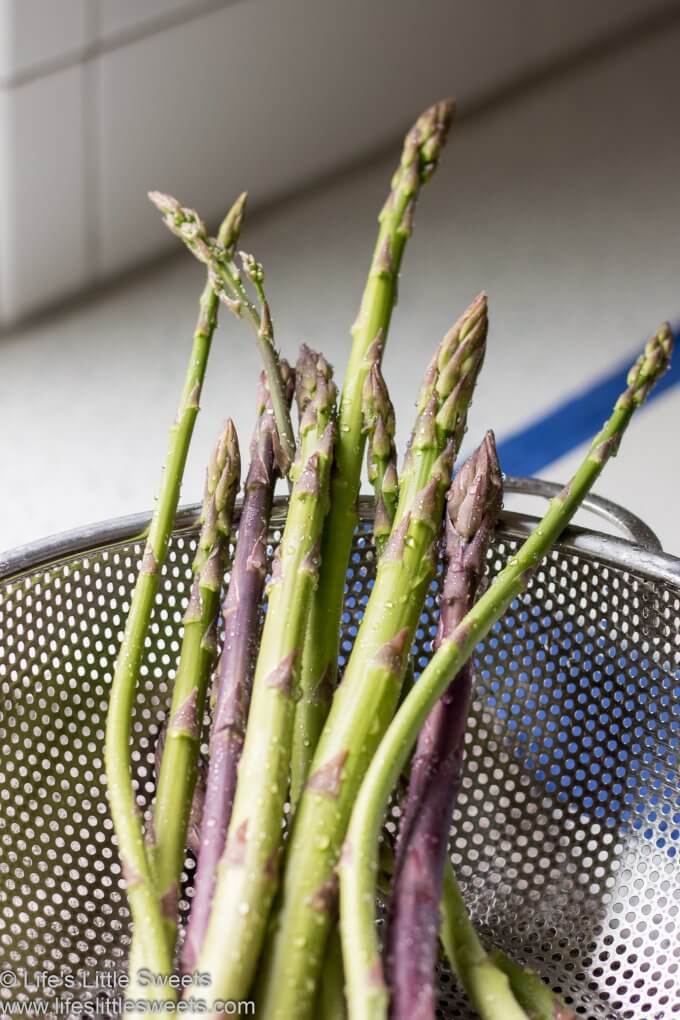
[{"x": 627, "y": 523}]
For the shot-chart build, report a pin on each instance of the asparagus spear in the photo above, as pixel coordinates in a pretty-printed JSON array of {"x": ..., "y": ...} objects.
[
  {"x": 315, "y": 397},
  {"x": 241, "y": 615},
  {"x": 379, "y": 425},
  {"x": 199, "y": 648},
  {"x": 247, "y": 873},
  {"x": 196, "y": 809},
  {"x": 486, "y": 983},
  {"x": 142, "y": 895},
  {"x": 486, "y": 976},
  {"x": 457, "y": 932},
  {"x": 473, "y": 504},
  {"x": 420, "y": 155},
  {"x": 531, "y": 992},
  {"x": 366, "y": 699},
  {"x": 462, "y": 946},
  {"x": 228, "y": 285},
  {"x": 367, "y": 993},
  {"x": 332, "y": 1002},
  {"x": 381, "y": 452}
]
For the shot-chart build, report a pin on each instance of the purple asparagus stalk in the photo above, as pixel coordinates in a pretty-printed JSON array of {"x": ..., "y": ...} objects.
[
  {"x": 411, "y": 948},
  {"x": 242, "y": 618}
]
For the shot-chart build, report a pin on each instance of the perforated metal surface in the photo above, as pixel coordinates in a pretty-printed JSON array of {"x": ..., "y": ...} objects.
[{"x": 567, "y": 833}]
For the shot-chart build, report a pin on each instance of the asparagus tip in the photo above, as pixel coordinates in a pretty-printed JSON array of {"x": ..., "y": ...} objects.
[
  {"x": 464, "y": 343},
  {"x": 226, "y": 450},
  {"x": 165, "y": 203},
  {"x": 230, "y": 227},
  {"x": 184, "y": 223},
  {"x": 426, "y": 138},
  {"x": 650, "y": 366},
  {"x": 476, "y": 492}
]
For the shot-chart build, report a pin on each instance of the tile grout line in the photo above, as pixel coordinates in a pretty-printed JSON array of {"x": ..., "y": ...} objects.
[
  {"x": 4, "y": 198},
  {"x": 507, "y": 93},
  {"x": 624, "y": 35},
  {"x": 89, "y": 84},
  {"x": 117, "y": 40}
]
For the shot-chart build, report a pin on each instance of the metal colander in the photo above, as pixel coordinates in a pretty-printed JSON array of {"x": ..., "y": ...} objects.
[{"x": 567, "y": 830}]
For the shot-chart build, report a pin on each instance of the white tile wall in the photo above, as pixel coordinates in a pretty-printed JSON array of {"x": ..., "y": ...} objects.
[
  {"x": 561, "y": 204},
  {"x": 124, "y": 15},
  {"x": 42, "y": 232},
  {"x": 34, "y": 32},
  {"x": 266, "y": 96},
  {"x": 4, "y": 201},
  {"x": 245, "y": 105},
  {"x": 258, "y": 94}
]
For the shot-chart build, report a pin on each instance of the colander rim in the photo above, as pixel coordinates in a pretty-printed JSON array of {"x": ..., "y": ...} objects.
[{"x": 637, "y": 550}]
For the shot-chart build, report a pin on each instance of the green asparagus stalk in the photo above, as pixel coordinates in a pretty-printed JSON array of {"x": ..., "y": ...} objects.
[
  {"x": 379, "y": 425},
  {"x": 534, "y": 996},
  {"x": 486, "y": 984},
  {"x": 197, "y": 658},
  {"x": 228, "y": 284},
  {"x": 198, "y": 799},
  {"x": 314, "y": 390},
  {"x": 332, "y": 1002},
  {"x": 487, "y": 976},
  {"x": 247, "y": 872},
  {"x": 420, "y": 155},
  {"x": 141, "y": 892},
  {"x": 367, "y": 993},
  {"x": 365, "y": 701},
  {"x": 381, "y": 452}
]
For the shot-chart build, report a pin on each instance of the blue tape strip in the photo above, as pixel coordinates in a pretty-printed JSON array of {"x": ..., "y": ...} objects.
[{"x": 573, "y": 422}]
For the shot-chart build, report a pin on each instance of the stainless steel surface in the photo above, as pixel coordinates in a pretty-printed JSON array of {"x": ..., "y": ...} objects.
[
  {"x": 567, "y": 832},
  {"x": 102, "y": 533},
  {"x": 626, "y": 522}
]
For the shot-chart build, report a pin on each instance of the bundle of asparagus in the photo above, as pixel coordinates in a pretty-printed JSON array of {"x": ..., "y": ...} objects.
[{"x": 299, "y": 768}]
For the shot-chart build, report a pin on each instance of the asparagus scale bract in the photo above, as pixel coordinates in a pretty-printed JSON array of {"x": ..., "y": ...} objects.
[
  {"x": 241, "y": 615},
  {"x": 422, "y": 148},
  {"x": 142, "y": 894},
  {"x": 227, "y": 283},
  {"x": 365, "y": 701},
  {"x": 248, "y": 869},
  {"x": 473, "y": 504},
  {"x": 367, "y": 992}
]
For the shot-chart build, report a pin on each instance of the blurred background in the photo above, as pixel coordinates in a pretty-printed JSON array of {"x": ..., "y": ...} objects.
[{"x": 557, "y": 194}]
